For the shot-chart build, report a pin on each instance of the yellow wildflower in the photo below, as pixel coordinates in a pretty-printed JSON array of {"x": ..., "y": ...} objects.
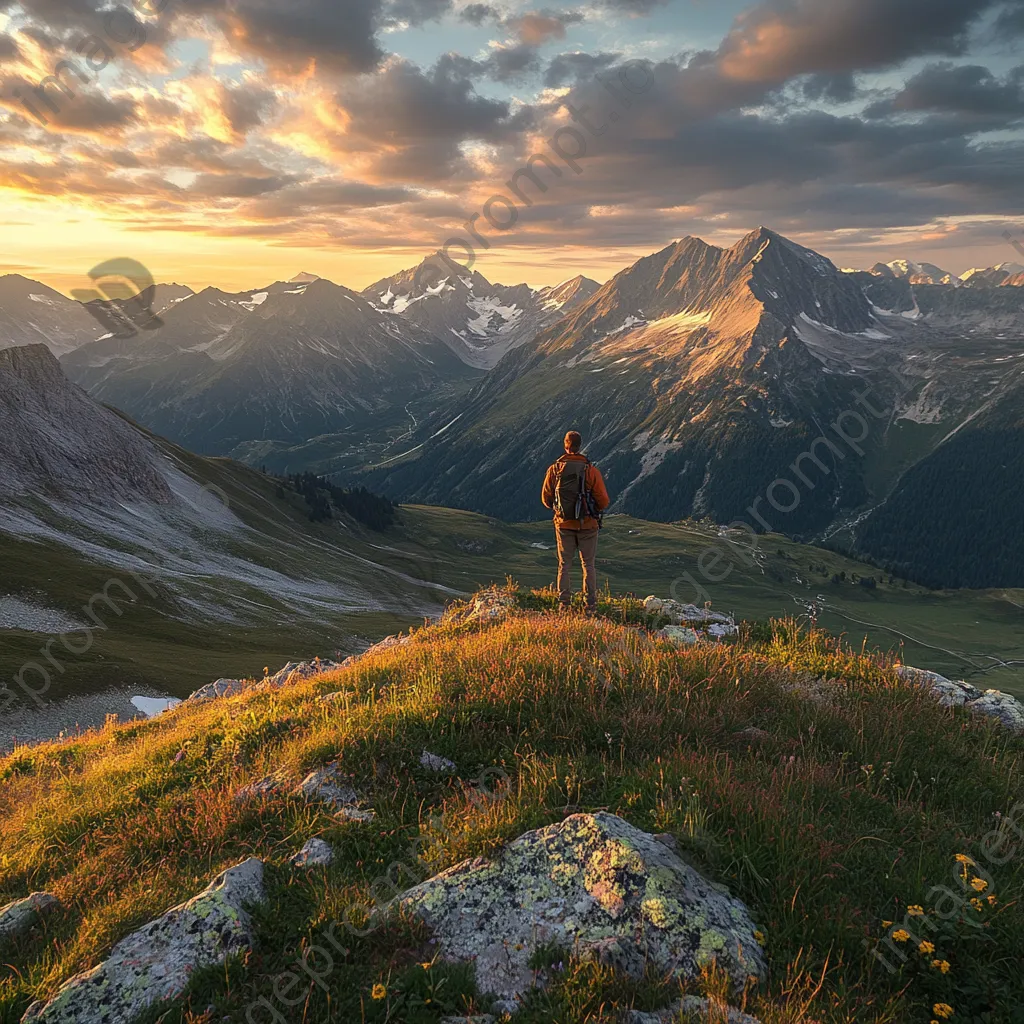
[
  {"x": 378, "y": 991},
  {"x": 426, "y": 967},
  {"x": 900, "y": 935},
  {"x": 976, "y": 903},
  {"x": 962, "y": 858},
  {"x": 942, "y": 1010},
  {"x": 991, "y": 899},
  {"x": 887, "y": 924},
  {"x": 926, "y": 947},
  {"x": 915, "y": 910},
  {"x": 944, "y": 966},
  {"x": 759, "y": 935},
  {"x": 979, "y": 884}
]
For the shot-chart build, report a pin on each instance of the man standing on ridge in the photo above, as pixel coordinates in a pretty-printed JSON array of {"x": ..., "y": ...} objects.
[{"x": 574, "y": 490}]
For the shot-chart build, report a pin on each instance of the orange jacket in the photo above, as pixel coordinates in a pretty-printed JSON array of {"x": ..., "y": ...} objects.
[{"x": 594, "y": 483}]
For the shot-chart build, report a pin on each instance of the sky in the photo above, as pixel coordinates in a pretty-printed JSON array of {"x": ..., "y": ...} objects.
[{"x": 236, "y": 142}]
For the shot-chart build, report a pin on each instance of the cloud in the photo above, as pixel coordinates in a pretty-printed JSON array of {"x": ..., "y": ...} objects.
[
  {"x": 780, "y": 39},
  {"x": 9, "y": 50},
  {"x": 967, "y": 89},
  {"x": 570, "y": 67},
  {"x": 538, "y": 27},
  {"x": 412, "y": 123},
  {"x": 477, "y": 14}
]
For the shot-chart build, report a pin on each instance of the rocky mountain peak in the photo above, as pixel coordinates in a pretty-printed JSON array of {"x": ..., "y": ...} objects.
[{"x": 59, "y": 442}]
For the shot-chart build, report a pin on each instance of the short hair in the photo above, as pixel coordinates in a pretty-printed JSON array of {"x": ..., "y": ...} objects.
[{"x": 573, "y": 440}]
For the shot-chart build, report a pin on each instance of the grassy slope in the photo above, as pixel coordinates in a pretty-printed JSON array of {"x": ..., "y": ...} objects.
[
  {"x": 850, "y": 805},
  {"x": 955, "y": 632},
  {"x": 160, "y": 644}
]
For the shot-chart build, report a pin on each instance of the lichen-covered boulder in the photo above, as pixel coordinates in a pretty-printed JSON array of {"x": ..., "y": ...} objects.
[
  {"x": 155, "y": 962},
  {"x": 19, "y": 916},
  {"x": 595, "y": 885},
  {"x": 950, "y": 693},
  {"x": 315, "y": 853},
  {"x": 1000, "y": 706},
  {"x": 329, "y": 785}
]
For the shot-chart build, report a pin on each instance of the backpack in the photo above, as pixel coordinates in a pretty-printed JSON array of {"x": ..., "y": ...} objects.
[{"x": 572, "y": 499}]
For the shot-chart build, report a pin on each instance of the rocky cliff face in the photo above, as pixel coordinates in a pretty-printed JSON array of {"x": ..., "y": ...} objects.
[{"x": 58, "y": 442}]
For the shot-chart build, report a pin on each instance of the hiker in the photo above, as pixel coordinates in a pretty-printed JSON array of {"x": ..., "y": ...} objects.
[{"x": 574, "y": 490}]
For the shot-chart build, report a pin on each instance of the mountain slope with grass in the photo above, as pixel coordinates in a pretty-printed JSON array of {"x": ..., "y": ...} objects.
[{"x": 827, "y": 795}]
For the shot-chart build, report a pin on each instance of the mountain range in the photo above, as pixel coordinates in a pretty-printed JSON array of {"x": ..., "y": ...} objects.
[{"x": 700, "y": 377}]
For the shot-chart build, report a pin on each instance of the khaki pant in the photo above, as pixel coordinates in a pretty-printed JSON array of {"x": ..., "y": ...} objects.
[{"x": 569, "y": 542}]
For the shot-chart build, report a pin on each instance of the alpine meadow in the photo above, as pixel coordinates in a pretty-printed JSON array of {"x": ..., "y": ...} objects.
[{"x": 511, "y": 514}]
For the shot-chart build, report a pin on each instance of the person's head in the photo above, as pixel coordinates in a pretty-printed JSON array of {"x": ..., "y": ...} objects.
[{"x": 573, "y": 440}]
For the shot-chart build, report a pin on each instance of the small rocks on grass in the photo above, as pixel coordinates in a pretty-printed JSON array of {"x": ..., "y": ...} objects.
[
  {"x": 327, "y": 784},
  {"x": 682, "y": 636},
  {"x": 260, "y": 789},
  {"x": 337, "y": 695},
  {"x": 477, "y": 1018},
  {"x": 593, "y": 884},
  {"x": 155, "y": 963},
  {"x": 19, "y": 916},
  {"x": 316, "y": 853},
  {"x": 436, "y": 763},
  {"x": 696, "y": 1007}
]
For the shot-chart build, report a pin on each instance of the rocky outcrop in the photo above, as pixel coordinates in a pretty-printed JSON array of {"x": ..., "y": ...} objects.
[
  {"x": 595, "y": 885},
  {"x": 293, "y": 672},
  {"x": 57, "y": 441},
  {"x": 220, "y": 688},
  {"x": 677, "y": 613},
  {"x": 20, "y": 916},
  {"x": 489, "y": 605},
  {"x": 396, "y": 640},
  {"x": 154, "y": 963},
  {"x": 955, "y": 693}
]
